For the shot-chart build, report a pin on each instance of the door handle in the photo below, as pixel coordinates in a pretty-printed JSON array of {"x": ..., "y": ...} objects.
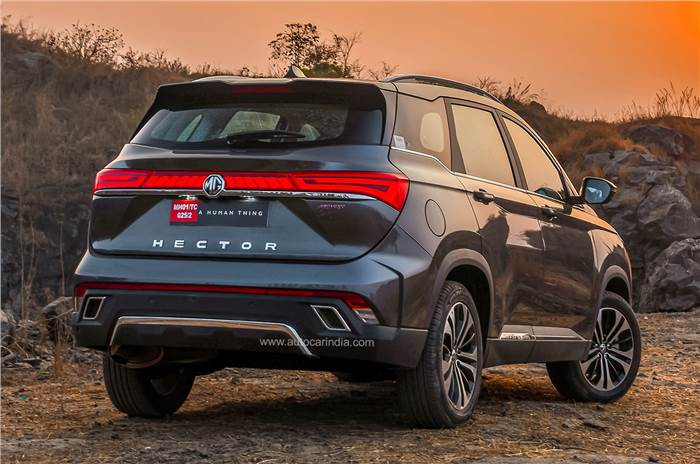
[
  {"x": 550, "y": 212},
  {"x": 483, "y": 196}
]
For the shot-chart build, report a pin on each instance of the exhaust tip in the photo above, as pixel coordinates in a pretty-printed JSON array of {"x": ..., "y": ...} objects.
[
  {"x": 331, "y": 318},
  {"x": 92, "y": 307}
]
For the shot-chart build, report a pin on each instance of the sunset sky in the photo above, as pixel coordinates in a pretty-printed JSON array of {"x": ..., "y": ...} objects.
[{"x": 584, "y": 57}]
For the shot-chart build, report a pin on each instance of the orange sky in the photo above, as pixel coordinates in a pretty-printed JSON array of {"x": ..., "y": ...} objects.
[{"x": 585, "y": 57}]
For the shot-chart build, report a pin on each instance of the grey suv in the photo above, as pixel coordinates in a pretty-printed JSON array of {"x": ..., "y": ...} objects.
[{"x": 414, "y": 228}]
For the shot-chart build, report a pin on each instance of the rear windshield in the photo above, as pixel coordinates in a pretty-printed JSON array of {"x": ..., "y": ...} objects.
[{"x": 254, "y": 120}]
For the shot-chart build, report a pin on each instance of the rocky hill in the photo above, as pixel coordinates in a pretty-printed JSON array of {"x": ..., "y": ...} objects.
[{"x": 62, "y": 120}]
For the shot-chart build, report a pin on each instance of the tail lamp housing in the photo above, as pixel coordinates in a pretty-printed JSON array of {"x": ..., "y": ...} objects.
[{"x": 390, "y": 188}]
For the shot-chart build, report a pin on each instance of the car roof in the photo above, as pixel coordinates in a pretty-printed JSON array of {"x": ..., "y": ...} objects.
[
  {"x": 286, "y": 80},
  {"x": 421, "y": 86}
]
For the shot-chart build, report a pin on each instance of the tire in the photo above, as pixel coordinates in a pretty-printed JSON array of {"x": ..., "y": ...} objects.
[
  {"x": 149, "y": 392},
  {"x": 619, "y": 348},
  {"x": 428, "y": 399}
]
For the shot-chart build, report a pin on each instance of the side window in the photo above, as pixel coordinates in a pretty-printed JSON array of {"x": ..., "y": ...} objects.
[
  {"x": 540, "y": 173},
  {"x": 421, "y": 126},
  {"x": 481, "y": 145}
]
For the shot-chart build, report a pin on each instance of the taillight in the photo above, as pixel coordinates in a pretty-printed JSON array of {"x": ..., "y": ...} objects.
[
  {"x": 387, "y": 187},
  {"x": 120, "y": 179},
  {"x": 175, "y": 180},
  {"x": 391, "y": 188},
  {"x": 259, "y": 181}
]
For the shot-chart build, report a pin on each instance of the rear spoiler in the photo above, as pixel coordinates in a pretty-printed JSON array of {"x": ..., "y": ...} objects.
[{"x": 221, "y": 90}]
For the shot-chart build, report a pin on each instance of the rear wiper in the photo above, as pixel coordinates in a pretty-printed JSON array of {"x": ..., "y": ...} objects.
[{"x": 262, "y": 135}]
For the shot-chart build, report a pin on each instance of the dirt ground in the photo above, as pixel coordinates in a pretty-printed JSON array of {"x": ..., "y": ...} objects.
[{"x": 266, "y": 416}]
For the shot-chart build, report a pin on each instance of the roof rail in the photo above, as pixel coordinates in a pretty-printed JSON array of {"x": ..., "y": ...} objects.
[
  {"x": 218, "y": 78},
  {"x": 420, "y": 78}
]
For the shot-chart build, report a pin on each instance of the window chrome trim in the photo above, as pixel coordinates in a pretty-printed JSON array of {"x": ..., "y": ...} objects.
[
  {"x": 481, "y": 179},
  {"x": 418, "y": 153},
  {"x": 238, "y": 193},
  {"x": 213, "y": 323},
  {"x": 461, "y": 174}
]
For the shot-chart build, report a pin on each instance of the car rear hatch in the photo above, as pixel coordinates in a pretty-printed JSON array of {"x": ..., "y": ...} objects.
[{"x": 259, "y": 169}]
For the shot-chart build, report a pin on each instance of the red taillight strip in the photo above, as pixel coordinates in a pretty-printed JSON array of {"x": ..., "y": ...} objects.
[
  {"x": 176, "y": 180},
  {"x": 391, "y": 188},
  {"x": 120, "y": 179},
  {"x": 257, "y": 88},
  {"x": 353, "y": 300}
]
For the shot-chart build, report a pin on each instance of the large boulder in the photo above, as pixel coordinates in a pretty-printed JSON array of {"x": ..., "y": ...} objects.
[
  {"x": 651, "y": 211},
  {"x": 667, "y": 212},
  {"x": 672, "y": 282},
  {"x": 36, "y": 61},
  {"x": 57, "y": 316},
  {"x": 673, "y": 142}
]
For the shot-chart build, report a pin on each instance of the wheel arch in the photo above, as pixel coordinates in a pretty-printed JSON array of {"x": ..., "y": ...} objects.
[
  {"x": 471, "y": 269},
  {"x": 617, "y": 281}
]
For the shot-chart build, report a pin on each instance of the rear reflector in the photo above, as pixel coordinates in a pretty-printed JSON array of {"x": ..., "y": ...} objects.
[{"x": 391, "y": 188}]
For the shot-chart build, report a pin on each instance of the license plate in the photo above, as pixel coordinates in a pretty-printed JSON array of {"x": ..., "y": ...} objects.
[{"x": 235, "y": 213}]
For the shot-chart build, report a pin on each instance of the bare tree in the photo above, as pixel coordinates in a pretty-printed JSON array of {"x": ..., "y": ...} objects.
[
  {"x": 90, "y": 43},
  {"x": 297, "y": 45},
  {"x": 385, "y": 71},
  {"x": 343, "y": 45}
]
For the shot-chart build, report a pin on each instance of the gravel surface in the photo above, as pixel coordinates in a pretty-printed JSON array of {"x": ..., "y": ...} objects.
[{"x": 239, "y": 415}]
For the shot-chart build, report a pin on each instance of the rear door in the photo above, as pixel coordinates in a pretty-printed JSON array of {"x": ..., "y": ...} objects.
[
  {"x": 569, "y": 268},
  {"x": 507, "y": 215},
  {"x": 281, "y": 170}
]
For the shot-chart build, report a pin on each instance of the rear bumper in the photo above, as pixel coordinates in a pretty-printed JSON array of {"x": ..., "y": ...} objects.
[
  {"x": 241, "y": 323},
  {"x": 179, "y": 306}
]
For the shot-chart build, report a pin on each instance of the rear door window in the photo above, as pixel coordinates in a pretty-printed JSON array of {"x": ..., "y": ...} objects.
[
  {"x": 541, "y": 175},
  {"x": 481, "y": 145}
]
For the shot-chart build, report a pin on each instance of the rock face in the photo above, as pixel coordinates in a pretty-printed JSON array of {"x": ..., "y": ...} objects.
[
  {"x": 673, "y": 142},
  {"x": 658, "y": 223},
  {"x": 672, "y": 280},
  {"x": 54, "y": 241},
  {"x": 10, "y": 253}
]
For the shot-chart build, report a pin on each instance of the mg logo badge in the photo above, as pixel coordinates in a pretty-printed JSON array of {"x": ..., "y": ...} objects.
[{"x": 213, "y": 185}]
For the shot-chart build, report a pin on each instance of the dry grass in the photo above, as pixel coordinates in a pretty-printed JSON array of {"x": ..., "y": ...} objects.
[
  {"x": 668, "y": 102},
  {"x": 286, "y": 416},
  {"x": 62, "y": 120},
  {"x": 66, "y": 115}
]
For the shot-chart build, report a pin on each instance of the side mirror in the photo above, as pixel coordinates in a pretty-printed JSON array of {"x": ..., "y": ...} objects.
[{"x": 596, "y": 191}]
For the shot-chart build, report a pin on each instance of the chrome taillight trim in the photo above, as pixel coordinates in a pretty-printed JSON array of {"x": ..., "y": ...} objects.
[{"x": 238, "y": 193}]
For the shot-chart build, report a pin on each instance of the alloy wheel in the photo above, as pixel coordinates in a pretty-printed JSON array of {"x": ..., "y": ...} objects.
[
  {"x": 612, "y": 351},
  {"x": 460, "y": 355}
]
